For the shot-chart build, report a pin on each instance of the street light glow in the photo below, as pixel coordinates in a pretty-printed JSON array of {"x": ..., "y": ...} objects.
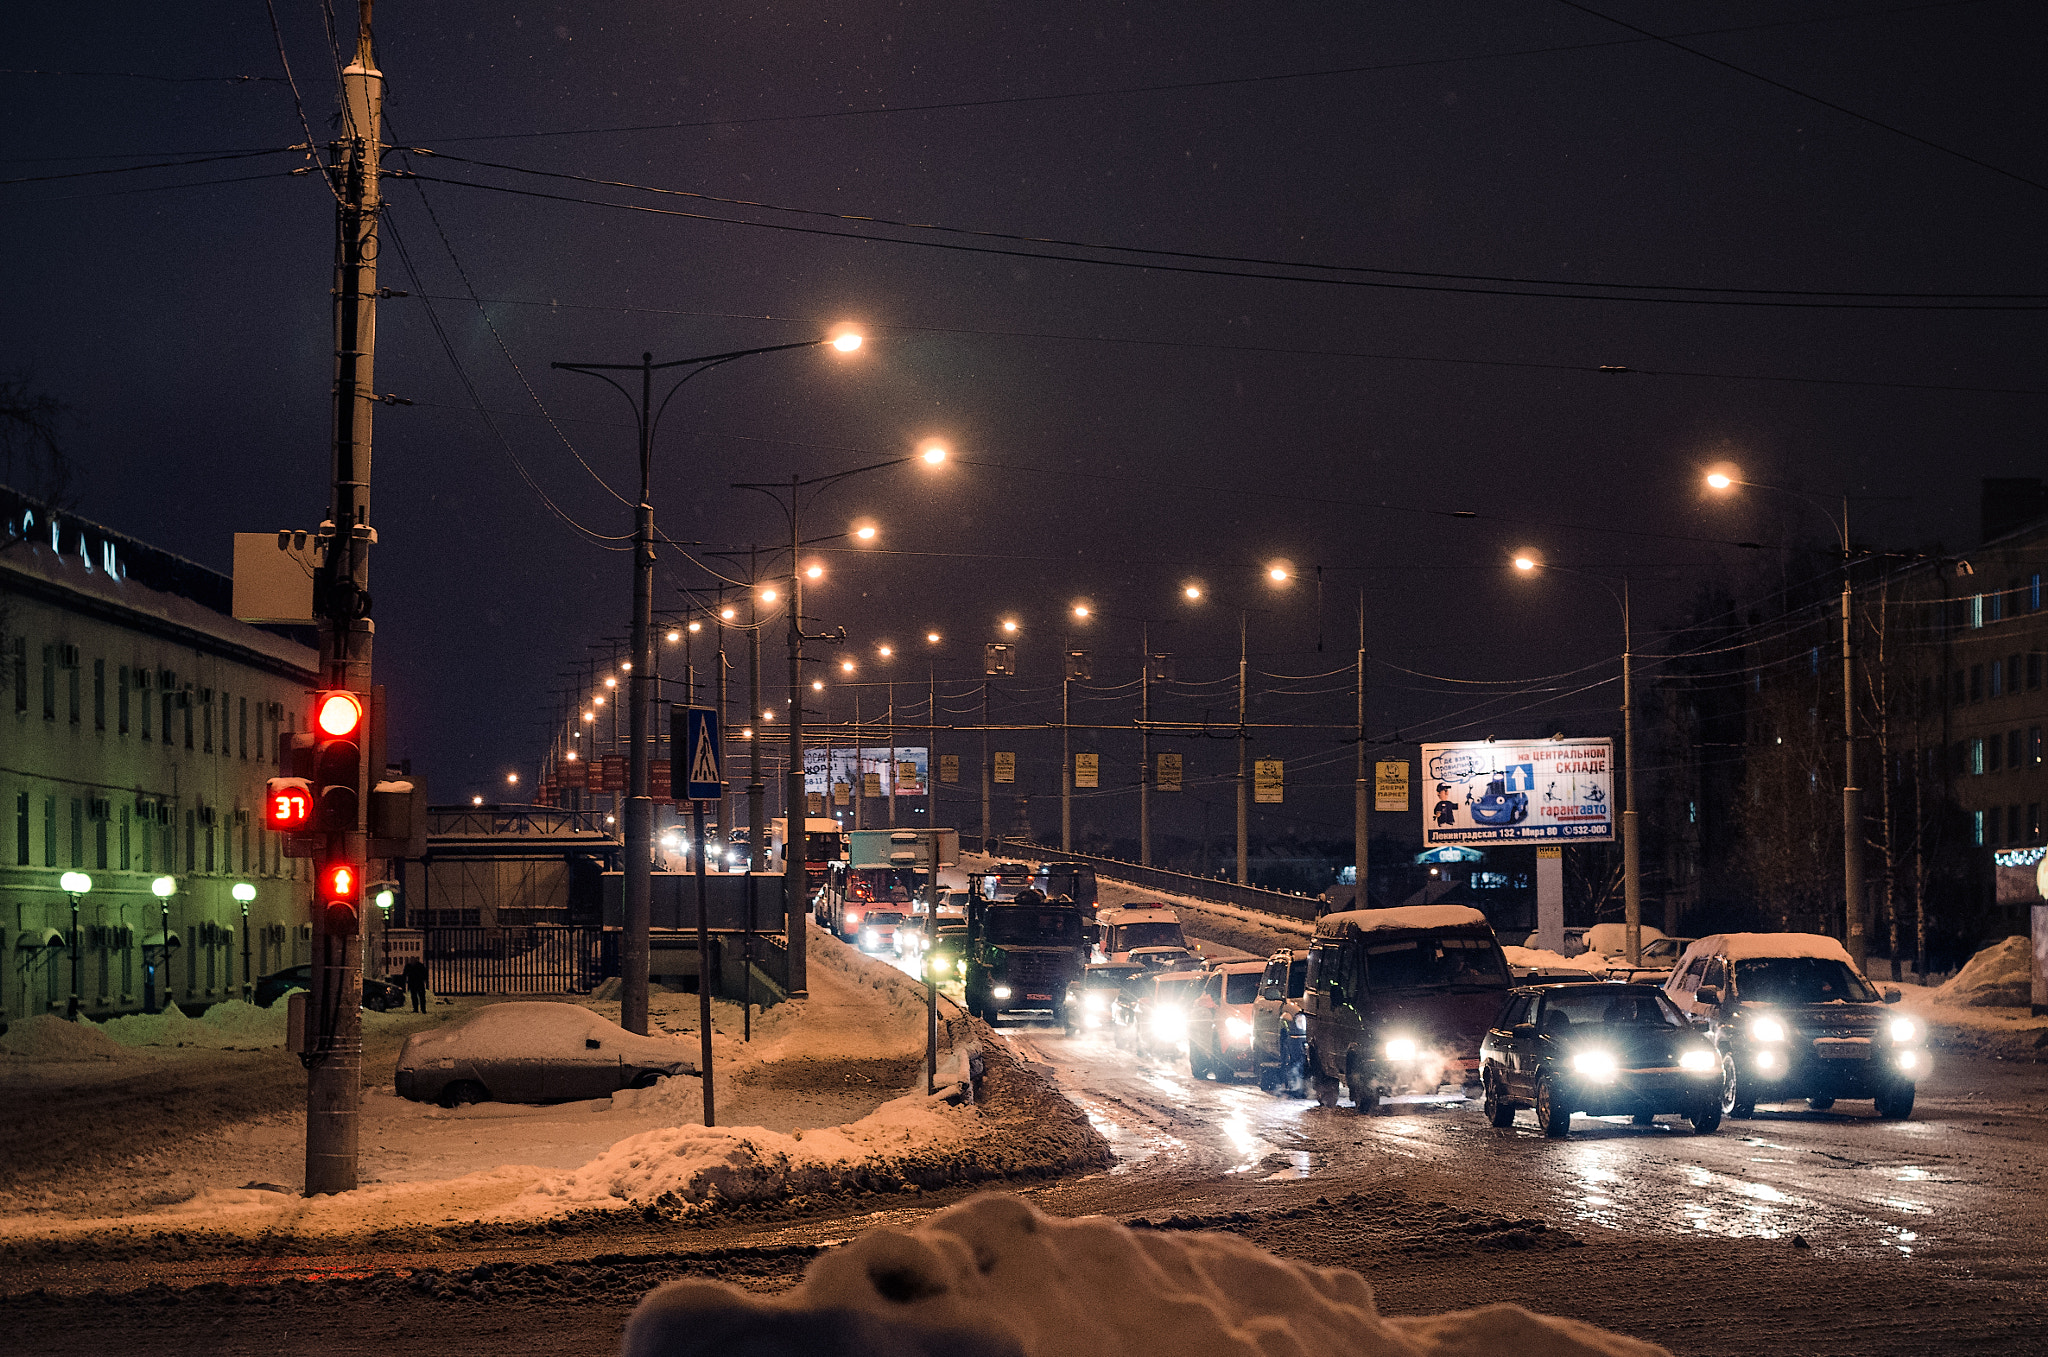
[
  {"x": 674, "y": 636},
  {"x": 476, "y": 800},
  {"x": 590, "y": 716},
  {"x": 1083, "y": 611},
  {"x": 767, "y": 595},
  {"x": 611, "y": 683},
  {"x": 1280, "y": 572},
  {"x": 934, "y": 453},
  {"x": 817, "y": 685},
  {"x": 846, "y": 666},
  {"x": 1192, "y": 591},
  {"x": 1525, "y": 562},
  {"x": 1719, "y": 481},
  {"x": 814, "y": 572},
  {"x": 865, "y": 532},
  {"x": 696, "y": 627},
  {"x": 847, "y": 342},
  {"x": 164, "y": 887},
  {"x": 626, "y": 665},
  {"x": 728, "y": 614},
  {"x": 512, "y": 779},
  {"x": 932, "y": 637},
  {"x": 885, "y": 651},
  {"x": 1010, "y": 626}
]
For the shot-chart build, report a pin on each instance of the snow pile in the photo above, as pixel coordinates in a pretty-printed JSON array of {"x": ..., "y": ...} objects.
[
  {"x": 2000, "y": 976},
  {"x": 994, "y": 1276},
  {"x": 47, "y": 1037},
  {"x": 699, "y": 1164},
  {"x": 1611, "y": 940},
  {"x": 228, "y": 1025},
  {"x": 1537, "y": 959}
]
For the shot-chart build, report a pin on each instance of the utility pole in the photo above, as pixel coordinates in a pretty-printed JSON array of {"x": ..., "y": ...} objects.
[
  {"x": 796, "y": 807},
  {"x": 1852, "y": 795},
  {"x": 1361, "y": 811},
  {"x": 986, "y": 773},
  {"x": 334, "y": 1049},
  {"x": 1631, "y": 842},
  {"x": 1066, "y": 761},
  {"x": 1244, "y": 877},
  {"x": 1145, "y": 746}
]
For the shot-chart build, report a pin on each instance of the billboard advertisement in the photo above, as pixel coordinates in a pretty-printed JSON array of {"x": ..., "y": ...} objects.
[
  {"x": 824, "y": 768},
  {"x": 1520, "y": 791}
]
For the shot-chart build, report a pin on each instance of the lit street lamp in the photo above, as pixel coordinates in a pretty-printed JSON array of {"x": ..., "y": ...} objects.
[
  {"x": 75, "y": 885},
  {"x": 164, "y": 887},
  {"x": 244, "y": 893},
  {"x": 633, "y": 960}
]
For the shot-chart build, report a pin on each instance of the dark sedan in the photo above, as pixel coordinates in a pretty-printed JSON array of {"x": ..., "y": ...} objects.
[
  {"x": 382, "y": 995},
  {"x": 1601, "y": 1049},
  {"x": 1091, "y": 999},
  {"x": 532, "y": 1052}
]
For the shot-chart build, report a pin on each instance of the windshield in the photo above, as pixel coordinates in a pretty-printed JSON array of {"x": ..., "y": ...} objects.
[
  {"x": 1297, "y": 977},
  {"x": 883, "y": 916},
  {"x": 821, "y": 847},
  {"x": 1800, "y": 980},
  {"x": 1173, "y": 991},
  {"x": 1609, "y": 1008},
  {"x": 1124, "y": 937},
  {"x": 1028, "y": 927},
  {"x": 1241, "y": 989},
  {"x": 1428, "y": 962}
]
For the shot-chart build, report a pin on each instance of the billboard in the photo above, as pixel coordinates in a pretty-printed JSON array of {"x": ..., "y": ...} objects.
[
  {"x": 825, "y": 768},
  {"x": 1390, "y": 785},
  {"x": 1520, "y": 791}
]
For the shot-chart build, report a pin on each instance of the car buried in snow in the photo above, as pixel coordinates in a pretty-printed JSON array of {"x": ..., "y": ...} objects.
[
  {"x": 533, "y": 1052},
  {"x": 1601, "y": 1049}
]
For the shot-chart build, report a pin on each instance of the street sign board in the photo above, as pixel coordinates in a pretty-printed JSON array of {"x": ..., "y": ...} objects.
[
  {"x": 1087, "y": 768},
  {"x": 693, "y": 731},
  {"x": 1390, "y": 785},
  {"x": 1169, "y": 773},
  {"x": 1523, "y": 791},
  {"x": 1267, "y": 780},
  {"x": 949, "y": 767},
  {"x": 1006, "y": 766},
  {"x": 871, "y": 784}
]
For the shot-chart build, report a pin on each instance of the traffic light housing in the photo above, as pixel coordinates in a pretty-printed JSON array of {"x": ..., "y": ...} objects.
[
  {"x": 288, "y": 805},
  {"x": 338, "y": 731},
  {"x": 341, "y": 897}
]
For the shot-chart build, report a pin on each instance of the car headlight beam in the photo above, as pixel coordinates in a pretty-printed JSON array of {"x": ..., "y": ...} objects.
[
  {"x": 1237, "y": 1029},
  {"x": 1598, "y": 1066},
  {"x": 1904, "y": 1029},
  {"x": 1401, "y": 1048},
  {"x": 1766, "y": 1029},
  {"x": 1697, "y": 1061}
]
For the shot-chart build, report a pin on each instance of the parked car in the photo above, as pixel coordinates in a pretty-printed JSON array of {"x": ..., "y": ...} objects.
[
  {"x": 1792, "y": 1018},
  {"x": 531, "y": 1052},
  {"x": 1602, "y": 1049},
  {"x": 381, "y": 995},
  {"x": 1153, "y": 1015},
  {"x": 1398, "y": 999},
  {"x": 1092, "y": 998},
  {"x": 878, "y": 930},
  {"x": 1279, "y": 1028},
  {"x": 1220, "y": 1021}
]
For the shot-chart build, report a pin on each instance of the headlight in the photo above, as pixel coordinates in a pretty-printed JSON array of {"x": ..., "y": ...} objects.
[
  {"x": 1169, "y": 1022},
  {"x": 1095, "y": 1001},
  {"x": 1237, "y": 1028},
  {"x": 1001, "y": 991},
  {"x": 1766, "y": 1029},
  {"x": 1401, "y": 1048},
  {"x": 1767, "y": 1060},
  {"x": 870, "y": 935},
  {"x": 1909, "y": 1060},
  {"x": 1697, "y": 1062},
  {"x": 961, "y": 965},
  {"x": 1904, "y": 1029},
  {"x": 1301, "y": 1022},
  {"x": 853, "y": 917},
  {"x": 1596, "y": 1065}
]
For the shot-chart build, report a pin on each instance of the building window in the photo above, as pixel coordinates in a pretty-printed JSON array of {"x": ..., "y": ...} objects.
[
  {"x": 1991, "y": 752},
  {"x": 2014, "y": 836},
  {"x": 206, "y": 722},
  {"x": 127, "y": 841},
  {"x": 1976, "y": 764},
  {"x": 2034, "y": 672},
  {"x": 170, "y": 705},
  {"x": 1976, "y": 610},
  {"x": 99, "y": 842},
  {"x": 77, "y": 832},
  {"x": 99, "y": 694},
  {"x": 21, "y": 674},
  {"x": 1977, "y": 828},
  {"x": 192, "y": 838},
  {"x": 2033, "y": 822},
  {"x": 1996, "y": 680},
  {"x": 121, "y": 701},
  {"x": 142, "y": 692},
  {"x": 21, "y": 857},
  {"x": 187, "y": 707},
  {"x": 1813, "y": 660},
  {"x": 242, "y": 724},
  {"x": 209, "y": 848},
  {"x": 2034, "y": 594},
  {"x": 1994, "y": 607},
  {"x": 49, "y": 831},
  {"x": 49, "y": 683},
  {"x": 1956, "y": 692},
  {"x": 2033, "y": 744},
  {"x": 1976, "y": 689}
]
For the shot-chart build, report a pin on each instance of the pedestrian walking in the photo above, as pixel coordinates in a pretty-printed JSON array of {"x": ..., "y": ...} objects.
[{"x": 416, "y": 984}]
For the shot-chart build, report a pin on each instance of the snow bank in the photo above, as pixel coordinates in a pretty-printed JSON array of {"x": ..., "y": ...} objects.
[
  {"x": 994, "y": 1276},
  {"x": 1535, "y": 958},
  {"x": 227, "y": 1025},
  {"x": 47, "y": 1037},
  {"x": 2000, "y": 976}
]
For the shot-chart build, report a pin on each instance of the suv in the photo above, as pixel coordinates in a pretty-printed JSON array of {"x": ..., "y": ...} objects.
[
  {"x": 1598, "y": 1048},
  {"x": 1220, "y": 1021},
  {"x": 1790, "y": 1017},
  {"x": 1278, "y": 1025}
]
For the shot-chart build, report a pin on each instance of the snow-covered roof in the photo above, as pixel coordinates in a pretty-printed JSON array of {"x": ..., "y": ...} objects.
[
  {"x": 1535, "y": 958},
  {"x": 1744, "y": 946},
  {"x": 1136, "y": 914},
  {"x": 1403, "y": 917},
  {"x": 1612, "y": 939}
]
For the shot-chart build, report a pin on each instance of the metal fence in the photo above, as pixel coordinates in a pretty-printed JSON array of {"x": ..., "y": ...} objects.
[
  {"x": 1173, "y": 883},
  {"x": 537, "y": 960}
]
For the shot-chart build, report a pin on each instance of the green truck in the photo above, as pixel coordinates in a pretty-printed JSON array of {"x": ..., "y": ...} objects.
[{"x": 1021, "y": 958}]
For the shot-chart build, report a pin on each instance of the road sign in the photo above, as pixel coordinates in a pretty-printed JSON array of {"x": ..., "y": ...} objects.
[
  {"x": 1266, "y": 780},
  {"x": 1390, "y": 785},
  {"x": 1087, "y": 768},
  {"x": 1169, "y": 773},
  {"x": 949, "y": 767},
  {"x": 694, "y": 732},
  {"x": 1006, "y": 766},
  {"x": 871, "y": 784}
]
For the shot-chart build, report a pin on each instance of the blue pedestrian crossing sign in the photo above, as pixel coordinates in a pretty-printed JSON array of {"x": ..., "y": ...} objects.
[{"x": 697, "y": 775}]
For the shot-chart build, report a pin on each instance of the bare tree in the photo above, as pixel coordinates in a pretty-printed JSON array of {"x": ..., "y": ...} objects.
[{"x": 32, "y": 456}]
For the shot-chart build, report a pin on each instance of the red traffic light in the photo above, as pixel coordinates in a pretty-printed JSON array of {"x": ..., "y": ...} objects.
[
  {"x": 340, "y": 883},
  {"x": 287, "y": 805},
  {"x": 337, "y": 713}
]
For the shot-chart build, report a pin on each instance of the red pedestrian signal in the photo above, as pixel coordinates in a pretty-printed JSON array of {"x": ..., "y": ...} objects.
[
  {"x": 288, "y": 805},
  {"x": 341, "y": 888}
]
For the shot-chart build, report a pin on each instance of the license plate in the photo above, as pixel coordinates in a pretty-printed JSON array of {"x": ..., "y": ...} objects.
[{"x": 1843, "y": 1049}]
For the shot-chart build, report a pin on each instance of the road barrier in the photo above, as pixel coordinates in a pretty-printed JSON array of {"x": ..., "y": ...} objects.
[{"x": 537, "y": 960}]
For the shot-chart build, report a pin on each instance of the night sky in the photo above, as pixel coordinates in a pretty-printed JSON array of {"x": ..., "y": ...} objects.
[{"x": 1219, "y": 285}]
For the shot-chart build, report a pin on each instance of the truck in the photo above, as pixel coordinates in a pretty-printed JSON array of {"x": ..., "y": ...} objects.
[
  {"x": 824, "y": 844},
  {"x": 883, "y": 868},
  {"x": 1021, "y": 958}
]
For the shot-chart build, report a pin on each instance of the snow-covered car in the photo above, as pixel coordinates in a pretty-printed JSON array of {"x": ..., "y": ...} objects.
[
  {"x": 1598, "y": 1048},
  {"x": 381, "y": 995},
  {"x": 1125, "y": 928},
  {"x": 1279, "y": 1029},
  {"x": 878, "y": 930},
  {"x": 1220, "y": 1021},
  {"x": 533, "y": 1052},
  {"x": 1791, "y": 1017}
]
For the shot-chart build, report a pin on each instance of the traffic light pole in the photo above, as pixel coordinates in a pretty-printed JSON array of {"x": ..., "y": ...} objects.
[{"x": 334, "y": 1047}]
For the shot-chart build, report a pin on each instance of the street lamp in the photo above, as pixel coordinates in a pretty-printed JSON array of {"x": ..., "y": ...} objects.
[
  {"x": 75, "y": 885},
  {"x": 164, "y": 887},
  {"x": 932, "y": 454},
  {"x": 1724, "y": 479},
  {"x": 1631, "y": 859},
  {"x": 639, "y": 844},
  {"x": 244, "y": 893}
]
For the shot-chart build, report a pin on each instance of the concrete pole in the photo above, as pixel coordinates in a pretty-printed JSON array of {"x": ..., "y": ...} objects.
[
  {"x": 334, "y": 1055},
  {"x": 1066, "y": 763},
  {"x": 1852, "y": 795},
  {"x": 1361, "y": 810},
  {"x": 639, "y": 816},
  {"x": 1631, "y": 858},
  {"x": 986, "y": 772},
  {"x": 1145, "y": 748},
  {"x": 795, "y": 897},
  {"x": 889, "y": 778},
  {"x": 1243, "y": 753}
]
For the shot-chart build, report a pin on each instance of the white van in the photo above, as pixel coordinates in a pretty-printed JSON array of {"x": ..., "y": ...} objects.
[{"x": 1125, "y": 927}]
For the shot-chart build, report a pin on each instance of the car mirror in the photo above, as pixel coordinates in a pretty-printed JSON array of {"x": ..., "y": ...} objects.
[
  {"x": 591, "y": 1043},
  {"x": 1891, "y": 995},
  {"x": 1707, "y": 996},
  {"x": 1522, "y": 1030}
]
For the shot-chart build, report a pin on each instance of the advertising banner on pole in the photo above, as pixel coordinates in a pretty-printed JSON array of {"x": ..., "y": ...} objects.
[
  {"x": 1266, "y": 780},
  {"x": 824, "y": 768},
  {"x": 1006, "y": 766},
  {"x": 841, "y": 794},
  {"x": 1087, "y": 769},
  {"x": 949, "y": 767},
  {"x": 1523, "y": 791},
  {"x": 1390, "y": 785},
  {"x": 1169, "y": 773},
  {"x": 871, "y": 784}
]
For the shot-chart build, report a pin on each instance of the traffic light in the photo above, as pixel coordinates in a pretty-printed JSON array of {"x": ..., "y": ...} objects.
[
  {"x": 288, "y": 805},
  {"x": 341, "y": 897},
  {"x": 337, "y": 760}
]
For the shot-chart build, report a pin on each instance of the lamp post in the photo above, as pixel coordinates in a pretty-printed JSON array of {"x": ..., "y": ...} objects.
[
  {"x": 75, "y": 885},
  {"x": 1852, "y": 795},
  {"x": 244, "y": 892},
  {"x": 639, "y": 816},
  {"x": 1631, "y": 861},
  {"x": 793, "y": 880},
  {"x": 932, "y": 639},
  {"x": 164, "y": 887}
]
